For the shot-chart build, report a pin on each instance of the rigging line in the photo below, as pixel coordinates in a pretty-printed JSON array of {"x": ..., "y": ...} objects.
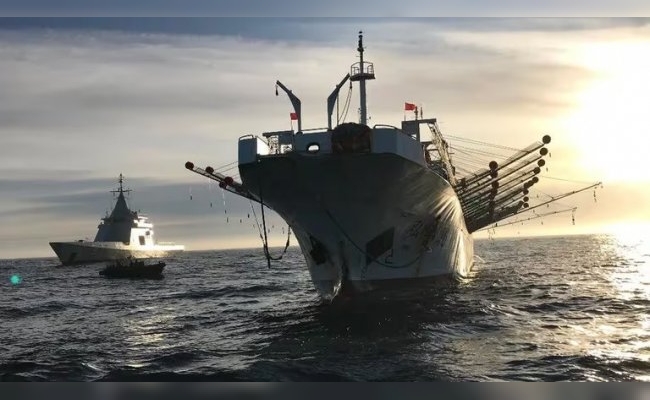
[
  {"x": 544, "y": 193},
  {"x": 265, "y": 240},
  {"x": 465, "y": 150},
  {"x": 472, "y": 167},
  {"x": 467, "y": 176},
  {"x": 463, "y": 170},
  {"x": 462, "y": 139},
  {"x": 259, "y": 228},
  {"x": 227, "y": 169},
  {"x": 482, "y": 152},
  {"x": 464, "y": 154},
  {"x": 472, "y": 158},
  {"x": 566, "y": 180},
  {"x": 462, "y": 165},
  {"x": 339, "y": 112},
  {"x": 559, "y": 197},
  {"x": 225, "y": 210},
  {"x": 548, "y": 195},
  {"x": 470, "y": 164},
  {"x": 344, "y": 112},
  {"x": 346, "y": 106},
  {"x": 267, "y": 252},
  {"x": 527, "y": 219},
  {"x": 483, "y": 160},
  {"x": 225, "y": 165},
  {"x": 472, "y": 171},
  {"x": 522, "y": 153},
  {"x": 466, "y": 160}
]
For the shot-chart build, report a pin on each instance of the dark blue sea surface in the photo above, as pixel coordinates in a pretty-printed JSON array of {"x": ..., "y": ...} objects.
[{"x": 534, "y": 309}]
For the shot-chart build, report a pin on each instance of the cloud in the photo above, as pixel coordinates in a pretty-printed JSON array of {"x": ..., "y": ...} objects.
[
  {"x": 316, "y": 29},
  {"x": 332, "y": 8},
  {"x": 141, "y": 104},
  {"x": 79, "y": 105}
]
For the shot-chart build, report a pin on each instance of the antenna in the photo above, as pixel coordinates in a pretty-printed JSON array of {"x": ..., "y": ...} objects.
[
  {"x": 121, "y": 190},
  {"x": 361, "y": 72}
]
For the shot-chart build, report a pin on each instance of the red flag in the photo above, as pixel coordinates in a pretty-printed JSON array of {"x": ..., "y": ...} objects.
[
  {"x": 410, "y": 107},
  {"x": 294, "y": 116}
]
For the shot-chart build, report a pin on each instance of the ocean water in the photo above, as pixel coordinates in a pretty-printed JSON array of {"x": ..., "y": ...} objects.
[{"x": 534, "y": 309}]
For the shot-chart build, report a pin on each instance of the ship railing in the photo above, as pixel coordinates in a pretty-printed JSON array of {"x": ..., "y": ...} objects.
[
  {"x": 313, "y": 130},
  {"x": 309, "y": 141},
  {"x": 318, "y": 141},
  {"x": 387, "y": 126},
  {"x": 356, "y": 72},
  {"x": 400, "y": 130}
]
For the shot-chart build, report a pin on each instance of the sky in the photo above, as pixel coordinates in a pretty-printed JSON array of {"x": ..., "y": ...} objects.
[
  {"x": 85, "y": 99},
  {"x": 331, "y": 8}
]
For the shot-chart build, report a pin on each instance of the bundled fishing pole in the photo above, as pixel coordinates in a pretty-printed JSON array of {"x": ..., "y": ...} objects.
[{"x": 502, "y": 190}]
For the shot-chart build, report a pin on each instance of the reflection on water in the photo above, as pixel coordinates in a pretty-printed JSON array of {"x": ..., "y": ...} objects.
[
  {"x": 631, "y": 274},
  {"x": 587, "y": 298},
  {"x": 143, "y": 332},
  {"x": 563, "y": 308},
  {"x": 627, "y": 265}
]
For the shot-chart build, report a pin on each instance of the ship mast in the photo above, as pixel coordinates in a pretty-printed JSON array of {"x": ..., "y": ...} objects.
[
  {"x": 121, "y": 190},
  {"x": 121, "y": 180},
  {"x": 361, "y": 72}
]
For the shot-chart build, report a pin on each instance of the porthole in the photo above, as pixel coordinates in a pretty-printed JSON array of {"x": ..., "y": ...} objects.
[{"x": 313, "y": 148}]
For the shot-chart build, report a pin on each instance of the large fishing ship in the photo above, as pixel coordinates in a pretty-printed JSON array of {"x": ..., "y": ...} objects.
[
  {"x": 381, "y": 206},
  {"x": 121, "y": 234}
]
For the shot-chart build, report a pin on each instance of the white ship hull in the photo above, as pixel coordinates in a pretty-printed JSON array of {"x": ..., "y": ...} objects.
[
  {"x": 365, "y": 221},
  {"x": 75, "y": 253}
]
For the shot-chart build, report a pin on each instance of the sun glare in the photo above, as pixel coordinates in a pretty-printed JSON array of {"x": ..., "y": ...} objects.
[
  {"x": 630, "y": 232},
  {"x": 610, "y": 121}
]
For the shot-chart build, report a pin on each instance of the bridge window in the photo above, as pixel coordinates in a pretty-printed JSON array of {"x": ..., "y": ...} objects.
[{"x": 142, "y": 240}]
